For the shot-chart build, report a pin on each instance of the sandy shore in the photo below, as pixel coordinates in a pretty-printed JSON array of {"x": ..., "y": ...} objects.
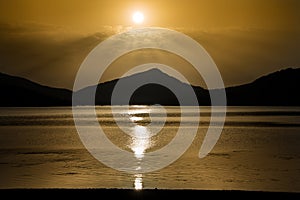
[{"x": 145, "y": 194}]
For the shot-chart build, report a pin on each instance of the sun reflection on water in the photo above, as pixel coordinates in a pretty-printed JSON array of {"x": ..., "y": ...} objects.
[
  {"x": 136, "y": 119},
  {"x": 141, "y": 141},
  {"x": 138, "y": 146},
  {"x": 138, "y": 182},
  {"x": 143, "y": 125}
]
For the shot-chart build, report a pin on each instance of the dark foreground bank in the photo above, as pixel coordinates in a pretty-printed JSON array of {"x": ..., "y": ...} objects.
[{"x": 144, "y": 194}]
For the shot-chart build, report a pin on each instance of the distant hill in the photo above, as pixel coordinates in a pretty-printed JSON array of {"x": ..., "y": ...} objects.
[
  {"x": 280, "y": 88},
  {"x": 20, "y": 92},
  {"x": 276, "y": 89},
  {"x": 148, "y": 94}
]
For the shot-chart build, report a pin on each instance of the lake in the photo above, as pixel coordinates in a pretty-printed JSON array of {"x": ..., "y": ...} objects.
[{"x": 259, "y": 149}]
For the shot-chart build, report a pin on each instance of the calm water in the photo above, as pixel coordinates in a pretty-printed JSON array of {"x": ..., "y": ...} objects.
[{"x": 259, "y": 149}]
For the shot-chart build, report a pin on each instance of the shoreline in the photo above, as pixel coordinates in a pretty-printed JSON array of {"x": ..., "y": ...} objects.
[{"x": 147, "y": 193}]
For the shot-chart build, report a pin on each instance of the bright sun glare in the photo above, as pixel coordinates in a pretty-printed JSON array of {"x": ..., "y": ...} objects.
[{"x": 138, "y": 17}]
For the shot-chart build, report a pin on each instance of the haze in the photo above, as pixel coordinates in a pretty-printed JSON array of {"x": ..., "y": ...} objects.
[{"x": 46, "y": 41}]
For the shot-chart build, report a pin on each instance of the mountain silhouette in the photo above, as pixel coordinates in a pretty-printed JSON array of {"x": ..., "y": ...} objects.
[
  {"x": 16, "y": 91},
  {"x": 280, "y": 88},
  {"x": 148, "y": 94}
]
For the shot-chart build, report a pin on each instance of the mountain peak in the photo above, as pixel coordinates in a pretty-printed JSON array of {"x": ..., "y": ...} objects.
[
  {"x": 155, "y": 70},
  {"x": 152, "y": 72},
  {"x": 152, "y": 75}
]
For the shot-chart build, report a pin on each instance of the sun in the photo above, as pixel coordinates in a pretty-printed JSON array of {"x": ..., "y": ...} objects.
[{"x": 138, "y": 17}]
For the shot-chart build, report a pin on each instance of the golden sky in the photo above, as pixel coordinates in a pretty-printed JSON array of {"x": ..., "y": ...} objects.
[
  {"x": 46, "y": 41},
  {"x": 92, "y": 14}
]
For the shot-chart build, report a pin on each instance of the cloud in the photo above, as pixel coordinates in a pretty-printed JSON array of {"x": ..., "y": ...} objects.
[{"x": 47, "y": 54}]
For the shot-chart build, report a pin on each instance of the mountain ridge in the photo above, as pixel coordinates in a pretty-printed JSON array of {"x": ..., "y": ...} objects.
[
  {"x": 280, "y": 88},
  {"x": 18, "y": 91}
]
